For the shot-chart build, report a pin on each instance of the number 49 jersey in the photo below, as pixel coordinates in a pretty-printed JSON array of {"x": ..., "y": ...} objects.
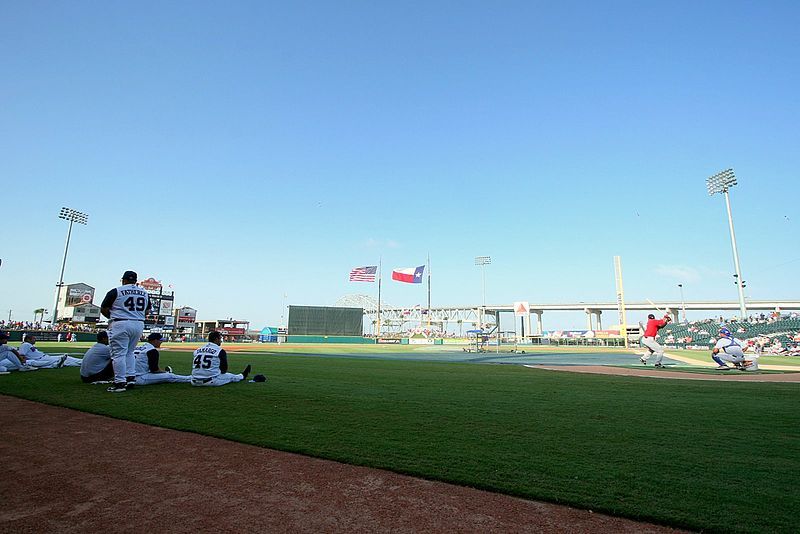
[
  {"x": 206, "y": 361},
  {"x": 131, "y": 303}
]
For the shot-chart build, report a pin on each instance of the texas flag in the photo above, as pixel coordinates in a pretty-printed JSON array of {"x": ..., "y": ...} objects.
[{"x": 409, "y": 275}]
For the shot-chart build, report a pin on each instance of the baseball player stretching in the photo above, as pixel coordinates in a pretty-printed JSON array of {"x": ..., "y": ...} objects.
[
  {"x": 125, "y": 306},
  {"x": 210, "y": 364},
  {"x": 10, "y": 358},
  {"x": 649, "y": 339},
  {"x": 147, "y": 370},
  {"x": 96, "y": 367},
  {"x": 37, "y": 358},
  {"x": 731, "y": 350}
]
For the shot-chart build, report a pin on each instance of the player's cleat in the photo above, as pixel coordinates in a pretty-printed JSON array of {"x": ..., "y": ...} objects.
[
  {"x": 723, "y": 368},
  {"x": 658, "y": 365},
  {"x": 643, "y": 360},
  {"x": 168, "y": 369},
  {"x": 117, "y": 387},
  {"x": 246, "y": 371},
  {"x": 130, "y": 384},
  {"x": 102, "y": 382},
  {"x": 27, "y": 368},
  {"x": 63, "y": 359}
]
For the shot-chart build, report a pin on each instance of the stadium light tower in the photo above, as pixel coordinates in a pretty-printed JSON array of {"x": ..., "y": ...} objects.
[
  {"x": 683, "y": 303},
  {"x": 483, "y": 261},
  {"x": 73, "y": 216},
  {"x": 721, "y": 183}
]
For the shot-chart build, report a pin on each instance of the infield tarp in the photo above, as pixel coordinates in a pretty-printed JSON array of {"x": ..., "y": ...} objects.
[{"x": 325, "y": 321}]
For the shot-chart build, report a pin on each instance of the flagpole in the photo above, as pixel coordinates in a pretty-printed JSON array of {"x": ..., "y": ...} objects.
[
  {"x": 378, "y": 317},
  {"x": 429, "y": 291}
]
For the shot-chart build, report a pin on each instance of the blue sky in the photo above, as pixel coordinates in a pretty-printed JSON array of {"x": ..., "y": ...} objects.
[{"x": 241, "y": 151}]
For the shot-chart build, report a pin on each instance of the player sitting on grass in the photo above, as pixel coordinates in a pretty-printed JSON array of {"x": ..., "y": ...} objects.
[
  {"x": 36, "y": 358},
  {"x": 210, "y": 364},
  {"x": 147, "y": 370},
  {"x": 96, "y": 367},
  {"x": 731, "y": 350},
  {"x": 10, "y": 358}
]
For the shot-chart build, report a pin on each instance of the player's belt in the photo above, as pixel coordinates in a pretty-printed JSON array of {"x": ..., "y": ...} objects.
[{"x": 203, "y": 380}]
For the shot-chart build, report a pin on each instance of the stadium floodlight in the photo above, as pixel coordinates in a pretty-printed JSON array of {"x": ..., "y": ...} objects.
[
  {"x": 683, "y": 303},
  {"x": 73, "y": 216},
  {"x": 483, "y": 261},
  {"x": 721, "y": 183}
]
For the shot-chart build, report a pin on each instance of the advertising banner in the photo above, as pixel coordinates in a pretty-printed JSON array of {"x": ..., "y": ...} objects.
[
  {"x": 420, "y": 341},
  {"x": 388, "y": 341}
]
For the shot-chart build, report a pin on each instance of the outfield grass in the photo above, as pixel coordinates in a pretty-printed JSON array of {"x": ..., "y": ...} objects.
[{"x": 718, "y": 456}]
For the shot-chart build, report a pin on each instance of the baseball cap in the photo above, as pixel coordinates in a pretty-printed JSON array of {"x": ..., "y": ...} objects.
[
  {"x": 155, "y": 336},
  {"x": 259, "y": 378},
  {"x": 130, "y": 275}
]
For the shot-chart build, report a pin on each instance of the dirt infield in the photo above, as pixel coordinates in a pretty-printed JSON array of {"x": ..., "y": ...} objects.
[
  {"x": 68, "y": 471},
  {"x": 650, "y": 372}
]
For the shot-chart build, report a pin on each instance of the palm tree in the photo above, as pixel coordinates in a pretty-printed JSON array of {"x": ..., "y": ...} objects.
[{"x": 40, "y": 312}]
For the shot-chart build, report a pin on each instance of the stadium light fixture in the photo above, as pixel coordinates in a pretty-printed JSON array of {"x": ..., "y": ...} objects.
[
  {"x": 73, "y": 216},
  {"x": 721, "y": 183},
  {"x": 683, "y": 303}
]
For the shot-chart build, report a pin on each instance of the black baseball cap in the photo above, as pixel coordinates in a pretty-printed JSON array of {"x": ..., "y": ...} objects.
[
  {"x": 130, "y": 275},
  {"x": 155, "y": 336},
  {"x": 259, "y": 378}
]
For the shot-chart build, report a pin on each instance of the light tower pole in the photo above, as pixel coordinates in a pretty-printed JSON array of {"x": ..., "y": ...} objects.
[
  {"x": 721, "y": 183},
  {"x": 683, "y": 303},
  {"x": 483, "y": 261},
  {"x": 73, "y": 216}
]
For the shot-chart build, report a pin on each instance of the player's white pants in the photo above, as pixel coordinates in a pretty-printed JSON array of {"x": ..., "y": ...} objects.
[
  {"x": 731, "y": 355},
  {"x": 219, "y": 380},
  {"x": 653, "y": 345},
  {"x": 51, "y": 361},
  {"x": 122, "y": 339},
  {"x": 161, "y": 378},
  {"x": 10, "y": 362}
]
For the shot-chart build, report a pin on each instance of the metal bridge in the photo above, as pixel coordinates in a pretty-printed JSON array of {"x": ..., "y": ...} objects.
[{"x": 477, "y": 315}]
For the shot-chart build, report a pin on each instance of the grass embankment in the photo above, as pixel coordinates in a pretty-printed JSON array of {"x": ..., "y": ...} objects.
[{"x": 701, "y": 455}]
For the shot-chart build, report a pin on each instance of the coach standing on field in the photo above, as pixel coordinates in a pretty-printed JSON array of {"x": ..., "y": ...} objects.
[{"x": 125, "y": 307}]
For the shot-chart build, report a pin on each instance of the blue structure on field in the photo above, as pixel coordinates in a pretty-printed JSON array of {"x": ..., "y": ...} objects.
[{"x": 269, "y": 334}]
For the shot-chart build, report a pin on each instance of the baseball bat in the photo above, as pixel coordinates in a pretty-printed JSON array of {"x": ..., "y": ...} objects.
[{"x": 654, "y": 305}]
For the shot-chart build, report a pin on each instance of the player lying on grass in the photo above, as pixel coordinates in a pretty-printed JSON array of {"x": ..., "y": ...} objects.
[
  {"x": 10, "y": 358},
  {"x": 36, "y": 358},
  {"x": 210, "y": 364},
  {"x": 731, "y": 350},
  {"x": 147, "y": 370}
]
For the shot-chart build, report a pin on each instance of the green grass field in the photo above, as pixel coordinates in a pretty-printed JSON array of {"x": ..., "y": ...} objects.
[{"x": 714, "y": 456}]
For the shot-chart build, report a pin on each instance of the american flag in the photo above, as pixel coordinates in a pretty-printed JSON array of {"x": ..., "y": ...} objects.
[{"x": 363, "y": 274}]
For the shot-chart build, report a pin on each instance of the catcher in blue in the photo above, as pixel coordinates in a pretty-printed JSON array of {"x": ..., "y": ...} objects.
[
  {"x": 147, "y": 370},
  {"x": 731, "y": 350},
  {"x": 210, "y": 364},
  {"x": 126, "y": 307},
  {"x": 36, "y": 358}
]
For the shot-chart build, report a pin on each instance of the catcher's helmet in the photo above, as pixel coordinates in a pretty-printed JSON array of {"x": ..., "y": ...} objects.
[{"x": 725, "y": 332}]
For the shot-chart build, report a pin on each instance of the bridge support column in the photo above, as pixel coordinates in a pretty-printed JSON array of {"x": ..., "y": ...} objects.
[
  {"x": 588, "y": 318},
  {"x": 599, "y": 321},
  {"x": 676, "y": 317},
  {"x": 540, "y": 329}
]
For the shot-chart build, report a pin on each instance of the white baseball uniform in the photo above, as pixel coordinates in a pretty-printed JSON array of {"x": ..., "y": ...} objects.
[
  {"x": 9, "y": 360},
  {"x": 147, "y": 362},
  {"x": 128, "y": 304},
  {"x": 206, "y": 367},
  {"x": 732, "y": 350},
  {"x": 37, "y": 358},
  {"x": 95, "y": 362}
]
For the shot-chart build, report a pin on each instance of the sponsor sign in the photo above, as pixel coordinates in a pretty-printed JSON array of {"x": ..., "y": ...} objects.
[
  {"x": 150, "y": 284},
  {"x": 86, "y": 297},
  {"x": 420, "y": 341},
  {"x": 75, "y": 291},
  {"x": 522, "y": 309},
  {"x": 165, "y": 308},
  {"x": 388, "y": 341},
  {"x": 231, "y": 331},
  {"x": 169, "y": 320}
]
